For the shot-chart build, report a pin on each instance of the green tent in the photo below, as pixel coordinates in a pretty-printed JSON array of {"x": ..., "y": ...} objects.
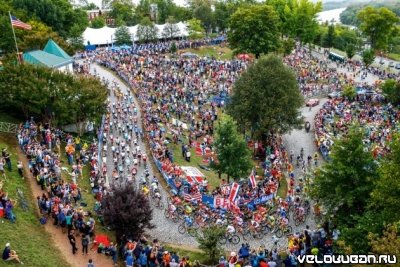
[
  {"x": 39, "y": 57},
  {"x": 53, "y": 48}
]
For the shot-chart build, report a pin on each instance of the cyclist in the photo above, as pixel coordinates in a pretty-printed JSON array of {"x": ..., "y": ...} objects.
[
  {"x": 283, "y": 223},
  {"x": 271, "y": 221},
  {"x": 316, "y": 158},
  {"x": 145, "y": 190},
  {"x": 188, "y": 221}
]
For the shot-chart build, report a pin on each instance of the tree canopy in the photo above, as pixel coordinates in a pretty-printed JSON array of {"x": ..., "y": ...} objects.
[
  {"x": 146, "y": 31},
  {"x": 254, "y": 29},
  {"x": 123, "y": 36},
  {"x": 266, "y": 98},
  {"x": 378, "y": 24},
  {"x": 234, "y": 157},
  {"x": 127, "y": 211},
  {"x": 52, "y": 95},
  {"x": 171, "y": 30},
  {"x": 391, "y": 90},
  {"x": 196, "y": 31},
  {"x": 368, "y": 57}
]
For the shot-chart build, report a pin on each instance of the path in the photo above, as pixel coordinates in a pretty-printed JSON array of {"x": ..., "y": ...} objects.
[{"x": 60, "y": 239}]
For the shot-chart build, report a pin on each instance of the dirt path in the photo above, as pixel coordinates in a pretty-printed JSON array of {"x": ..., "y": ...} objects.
[{"x": 60, "y": 239}]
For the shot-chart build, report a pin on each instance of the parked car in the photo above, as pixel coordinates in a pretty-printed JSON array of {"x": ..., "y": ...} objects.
[
  {"x": 312, "y": 102},
  {"x": 398, "y": 66},
  {"x": 391, "y": 64}
]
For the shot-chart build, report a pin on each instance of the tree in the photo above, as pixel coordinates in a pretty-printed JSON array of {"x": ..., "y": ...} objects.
[
  {"x": 378, "y": 24},
  {"x": 388, "y": 243},
  {"x": 368, "y": 57},
  {"x": 384, "y": 197},
  {"x": 196, "y": 31},
  {"x": 349, "y": 91},
  {"x": 343, "y": 185},
  {"x": 76, "y": 39},
  {"x": 288, "y": 46},
  {"x": 127, "y": 211},
  {"x": 234, "y": 157},
  {"x": 123, "y": 11},
  {"x": 171, "y": 30},
  {"x": 304, "y": 19},
  {"x": 72, "y": 99},
  {"x": 209, "y": 242},
  {"x": 266, "y": 98},
  {"x": 98, "y": 22},
  {"x": 59, "y": 14},
  {"x": 173, "y": 48},
  {"x": 123, "y": 36},
  {"x": 146, "y": 31},
  {"x": 391, "y": 90},
  {"x": 254, "y": 29},
  {"x": 329, "y": 37},
  {"x": 203, "y": 12},
  {"x": 350, "y": 51}
]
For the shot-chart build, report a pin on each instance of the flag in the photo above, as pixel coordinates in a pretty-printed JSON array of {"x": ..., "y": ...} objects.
[
  {"x": 253, "y": 179},
  {"x": 225, "y": 190},
  {"x": 234, "y": 191},
  {"x": 190, "y": 197},
  {"x": 19, "y": 24}
]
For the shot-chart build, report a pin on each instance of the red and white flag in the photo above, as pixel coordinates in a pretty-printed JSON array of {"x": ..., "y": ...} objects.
[
  {"x": 252, "y": 178},
  {"x": 190, "y": 197},
  {"x": 16, "y": 23},
  {"x": 234, "y": 191},
  {"x": 225, "y": 189}
]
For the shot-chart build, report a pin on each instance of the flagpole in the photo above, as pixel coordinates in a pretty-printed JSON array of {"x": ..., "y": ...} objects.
[{"x": 15, "y": 38}]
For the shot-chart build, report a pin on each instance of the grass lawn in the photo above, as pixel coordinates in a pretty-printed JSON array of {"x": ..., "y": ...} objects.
[
  {"x": 195, "y": 160},
  {"x": 223, "y": 53},
  {"x": 193, "y": 254},
  {"x": 32, "y": 243},
  {"x": 394, "y": 56}
]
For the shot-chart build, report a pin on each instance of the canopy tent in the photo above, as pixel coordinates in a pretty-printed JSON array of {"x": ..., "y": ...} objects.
[{"x": 106, "y": 35}]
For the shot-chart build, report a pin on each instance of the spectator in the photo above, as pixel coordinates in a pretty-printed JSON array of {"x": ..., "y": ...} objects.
[
  {"x": 90, "y": 263},
  {"x": 9, "y": 255}
]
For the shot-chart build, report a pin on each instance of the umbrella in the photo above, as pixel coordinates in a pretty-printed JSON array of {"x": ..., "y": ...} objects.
[
  {"x": 103, "y": 239},
  {"x": 243, "y": 56},
  {"x": 188, "y": 54}
]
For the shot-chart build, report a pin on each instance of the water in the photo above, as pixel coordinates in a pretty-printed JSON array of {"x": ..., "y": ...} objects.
[{"x": 330, "y": 15}]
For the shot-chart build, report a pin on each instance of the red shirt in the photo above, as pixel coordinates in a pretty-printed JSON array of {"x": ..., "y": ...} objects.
[{"x": 263, "y": 264}]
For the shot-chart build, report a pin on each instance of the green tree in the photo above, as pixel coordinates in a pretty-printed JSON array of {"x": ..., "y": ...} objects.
[
  {"x": 349, "y": 91},
  {"x": 288, "y": 46},
  {"x": 73, "y": 99},
  {"x": 378, "y": 24},
  {"x": 76, "y": 39},
  {"x": 146, "y": 31},
  {"x": 368, "y": 57},
  {"x": 266, "y": 98},
  {"x": 234, "y": 158},
  {"x": 384, "y": 197},
  {"x": 196, "y": 31},
  {"x": 388, "y": 243},
  {"x": 344, "y": 183},
  {"x": 123, "y": 11},
  {"x": 98, "y": 22},
  {"x": 202, "y": 11},
  {"x": 123, "y": 36},
  {"x": 209, "y": 242},
  {"x": 171, "y": 30},
  {"x": 329, "y": 37},
  {"x": 350, "y": 51},
  {"x": 305, "y": 24},
  {"x": 391, "y": 90},
  {"x": 254, "y": 29},
  {"x": 59, "y": 14},
  {"x": 173, "y": 48}
]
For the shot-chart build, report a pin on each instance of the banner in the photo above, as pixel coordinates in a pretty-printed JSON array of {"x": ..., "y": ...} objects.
[
  {"x": 221, "y": 202},
  {"x": 234, "y": 191},
  {"x": 262, "y": 199}
]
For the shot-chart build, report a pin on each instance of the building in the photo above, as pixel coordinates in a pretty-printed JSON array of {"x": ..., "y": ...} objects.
[{"x": 51, "y": 56}]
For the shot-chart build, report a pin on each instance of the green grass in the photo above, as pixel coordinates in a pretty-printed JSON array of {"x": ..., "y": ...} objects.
[
  {"x": 394, "y": 56},
  {"x": 223, "y": 53},
  {"x": 193, "y": 254},
  {"x": 27, "y": 237},
  {"x": 195, "y": 160}
]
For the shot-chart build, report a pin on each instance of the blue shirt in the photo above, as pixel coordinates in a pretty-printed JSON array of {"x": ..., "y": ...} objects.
[{"x": 129, "y": 260}]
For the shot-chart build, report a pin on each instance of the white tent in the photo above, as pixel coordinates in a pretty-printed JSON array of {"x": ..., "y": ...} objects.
[{"x": 106, "y": 35}]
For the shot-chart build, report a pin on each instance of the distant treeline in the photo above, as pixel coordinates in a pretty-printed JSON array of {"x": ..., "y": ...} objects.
[{"x": 349, "y": 16}]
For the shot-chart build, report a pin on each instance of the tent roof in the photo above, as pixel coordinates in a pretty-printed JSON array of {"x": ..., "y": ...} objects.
[
  {"x": 39, "y": 57},
  {"x": 53, "y": 48}
]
